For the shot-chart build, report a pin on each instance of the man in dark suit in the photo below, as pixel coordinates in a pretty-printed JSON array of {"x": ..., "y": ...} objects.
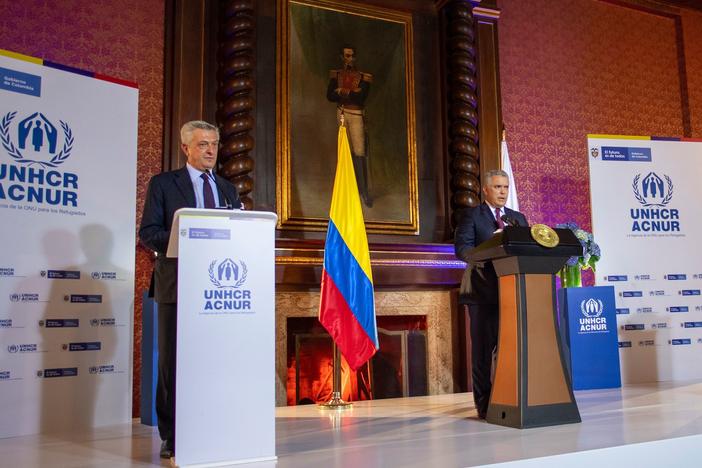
[
  {"x": 479, "y": 286},
  {"x": 193, "y": 186}
]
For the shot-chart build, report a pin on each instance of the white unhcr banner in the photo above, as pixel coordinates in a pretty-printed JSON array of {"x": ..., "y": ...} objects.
[
  {"x": 645, "y": 217},
  {"x": 67, "y": 204}
]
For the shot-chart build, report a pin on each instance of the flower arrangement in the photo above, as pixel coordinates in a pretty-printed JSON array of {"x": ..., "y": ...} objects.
[{"x": 571, "y": 273}]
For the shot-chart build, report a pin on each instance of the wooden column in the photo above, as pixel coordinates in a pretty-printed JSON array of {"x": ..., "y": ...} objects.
[
  {"x": 462, "y": 106},
  {"x": 235, "y": 95}
]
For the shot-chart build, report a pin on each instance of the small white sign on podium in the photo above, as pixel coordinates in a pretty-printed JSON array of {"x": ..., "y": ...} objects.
[{"x": 225, "y": 389}]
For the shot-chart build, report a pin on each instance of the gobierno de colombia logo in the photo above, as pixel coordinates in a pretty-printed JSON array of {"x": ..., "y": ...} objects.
[
  {"x": 228, "y": 295},
  {"x": 654, "y": 193},
  {"x": 36, "y": 149}
]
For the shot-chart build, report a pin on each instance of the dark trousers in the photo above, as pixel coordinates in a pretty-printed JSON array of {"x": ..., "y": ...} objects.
[
  {"x": 484, "y": 325},
  {"x": 165, "y": 388}
]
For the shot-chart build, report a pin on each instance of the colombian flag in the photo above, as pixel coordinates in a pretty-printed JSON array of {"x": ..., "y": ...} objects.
[{"x": 346, "y": 308}]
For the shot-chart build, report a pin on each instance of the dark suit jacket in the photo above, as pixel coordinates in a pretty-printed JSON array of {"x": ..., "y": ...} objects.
[
  {"x": 474, "y": 227},
  {"x": 168, "y": 192}
]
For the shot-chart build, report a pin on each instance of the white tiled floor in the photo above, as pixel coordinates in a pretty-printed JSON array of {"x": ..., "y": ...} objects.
[{"x": 438, "y": 431}]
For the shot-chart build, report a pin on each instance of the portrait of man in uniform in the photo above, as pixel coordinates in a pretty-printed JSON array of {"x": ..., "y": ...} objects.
[
  {"x": 362, "y": 59},
  {"x": 348, "y": 88}
]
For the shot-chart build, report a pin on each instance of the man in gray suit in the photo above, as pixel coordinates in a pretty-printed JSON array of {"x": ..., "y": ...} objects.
[
  {"x": 193, "y": 186},
  {"x": 479, "y": 291}
]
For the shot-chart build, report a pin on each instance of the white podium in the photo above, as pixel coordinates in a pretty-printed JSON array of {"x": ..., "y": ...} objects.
[{"x": 225, "y": 387}]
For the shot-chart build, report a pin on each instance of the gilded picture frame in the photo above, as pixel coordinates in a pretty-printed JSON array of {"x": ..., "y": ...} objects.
[{"x": 333, "y": 58}]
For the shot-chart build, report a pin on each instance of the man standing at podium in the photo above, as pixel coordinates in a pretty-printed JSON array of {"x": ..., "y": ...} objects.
[
  {"x": 479, "y": 286},
  {"x": 192, "y": 186}
]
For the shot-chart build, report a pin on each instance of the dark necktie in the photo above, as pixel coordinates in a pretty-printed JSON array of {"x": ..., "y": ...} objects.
[
  {"x": 498, "y": 218},
  {"x": 207, "y": 194}
]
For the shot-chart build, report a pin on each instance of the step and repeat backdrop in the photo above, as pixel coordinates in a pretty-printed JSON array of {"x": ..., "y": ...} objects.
[
  {"x": 646, "y": 216},
  {"x": 67, "y": 197}
]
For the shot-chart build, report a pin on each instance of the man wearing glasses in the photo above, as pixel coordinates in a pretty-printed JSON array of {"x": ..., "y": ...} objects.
[{"x": 193, "y": 186}]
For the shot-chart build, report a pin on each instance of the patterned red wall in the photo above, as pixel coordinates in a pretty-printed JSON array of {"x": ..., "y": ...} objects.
[
  {"x": 692, "y": 34},
  {"x": 574, "y": 67},
  {"x": 119, "y": 38}
]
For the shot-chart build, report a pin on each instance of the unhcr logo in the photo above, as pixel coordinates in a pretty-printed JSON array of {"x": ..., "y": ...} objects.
[
  {"x": 23, "y": 348},
  {"x": 229, "y": 297},
  {"x": 592, "y": 322},
  {"x": 654, "y": 193},
  {"x": 227, "y": 274},
  {"x": 24, "y": 297},
  {"x": 35, "y": 148},
  {"x": 36, "y": 134},
  {"x": 104, "y": 369},
  {"x": 591, "y": 307}
]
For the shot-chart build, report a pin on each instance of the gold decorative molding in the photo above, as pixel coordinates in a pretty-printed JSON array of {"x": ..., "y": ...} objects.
[
  {"x": 377, "y": 262},
  {"x": 482, "y": 12}
]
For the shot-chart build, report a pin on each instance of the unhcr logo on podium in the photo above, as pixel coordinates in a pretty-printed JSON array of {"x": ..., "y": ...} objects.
[
  {"x": 228, "y": 277},
  {"x": 592, "y": 320}
]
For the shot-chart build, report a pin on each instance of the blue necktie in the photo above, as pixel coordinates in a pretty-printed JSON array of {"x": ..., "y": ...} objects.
[{"x": 207, "y": 194}]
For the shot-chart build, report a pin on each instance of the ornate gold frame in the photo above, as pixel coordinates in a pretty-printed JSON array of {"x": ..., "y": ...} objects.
[{"x": 286, "y": 220}]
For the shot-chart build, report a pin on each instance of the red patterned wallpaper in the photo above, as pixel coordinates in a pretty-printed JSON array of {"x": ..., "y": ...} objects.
[
  {"x": 119, "y": 38},
  {"x": 692, "y": 34},
  {"x": 574, "y": 67}
]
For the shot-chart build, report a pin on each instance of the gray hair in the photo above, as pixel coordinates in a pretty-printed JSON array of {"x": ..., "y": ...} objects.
[
  {"x": 186, "y": 131},
  {"x": 494, "y": 173}
]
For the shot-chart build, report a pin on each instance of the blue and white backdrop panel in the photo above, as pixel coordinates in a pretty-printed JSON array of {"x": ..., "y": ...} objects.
[
  {"x": 645, "y": 213},
  {"x": 67, "y": 204}
]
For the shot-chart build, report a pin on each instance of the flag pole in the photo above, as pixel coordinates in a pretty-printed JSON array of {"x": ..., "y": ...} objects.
[
  {"x": 346, "y": 237},
  {"x": 336, "y": 402}
]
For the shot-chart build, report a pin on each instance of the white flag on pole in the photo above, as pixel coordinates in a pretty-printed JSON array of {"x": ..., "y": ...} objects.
[{"x": 512, "y": 201}]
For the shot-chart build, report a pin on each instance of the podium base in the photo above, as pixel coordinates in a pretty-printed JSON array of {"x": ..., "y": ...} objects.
[{"x": 533, "y": 416}]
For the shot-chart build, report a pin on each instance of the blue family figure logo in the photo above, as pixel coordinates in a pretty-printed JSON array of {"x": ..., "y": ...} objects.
[
  {"x": 652, "y": 190},
  {"x": 36, "y": 140},
  {"x": 227, "y": 274},
  {"x": 39, "y": 127}
]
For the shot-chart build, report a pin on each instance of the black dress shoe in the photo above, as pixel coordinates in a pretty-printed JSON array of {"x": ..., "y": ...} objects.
[{"x": 167, "y": 449}]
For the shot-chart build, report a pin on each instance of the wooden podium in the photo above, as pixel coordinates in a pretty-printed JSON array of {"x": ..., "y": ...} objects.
[{"x": 531, "y": 387}]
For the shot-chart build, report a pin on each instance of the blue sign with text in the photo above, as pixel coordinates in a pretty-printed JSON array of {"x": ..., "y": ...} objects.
[
  {"x": 590, "y": 329},
  {"x": 20, "y": 82}
]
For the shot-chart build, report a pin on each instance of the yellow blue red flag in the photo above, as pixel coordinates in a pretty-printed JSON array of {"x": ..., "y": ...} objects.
[{"x": 347, "y": 308}]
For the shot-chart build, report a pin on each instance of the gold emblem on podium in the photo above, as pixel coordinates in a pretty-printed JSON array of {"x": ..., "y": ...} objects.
[{"x": 544, "y": 235}]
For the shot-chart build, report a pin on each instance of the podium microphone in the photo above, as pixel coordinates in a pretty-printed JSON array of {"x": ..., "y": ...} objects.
[{"x": 509, "y": 221}]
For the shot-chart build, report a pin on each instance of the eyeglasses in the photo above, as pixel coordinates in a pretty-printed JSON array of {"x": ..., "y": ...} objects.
[{"x": 203, "y": 145}]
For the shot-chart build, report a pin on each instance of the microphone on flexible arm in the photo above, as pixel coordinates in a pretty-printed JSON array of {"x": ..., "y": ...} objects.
[{"x": 509, "y": 221}]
